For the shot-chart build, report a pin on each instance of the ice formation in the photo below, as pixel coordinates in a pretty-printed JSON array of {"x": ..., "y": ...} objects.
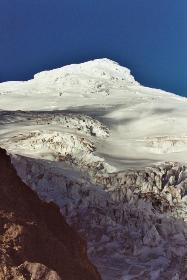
[{"x": 112, "y": 154}]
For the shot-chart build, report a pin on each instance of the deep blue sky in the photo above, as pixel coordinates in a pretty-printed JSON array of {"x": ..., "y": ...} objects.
[{"x": 148, "y": 36}]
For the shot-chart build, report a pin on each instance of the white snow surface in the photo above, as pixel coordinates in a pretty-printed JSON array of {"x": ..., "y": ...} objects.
[
  {"x": 75, "y": 131},
  {"x": 146, "y": 125}
]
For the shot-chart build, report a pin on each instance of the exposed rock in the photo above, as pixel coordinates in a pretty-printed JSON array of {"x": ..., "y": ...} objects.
[{"x": 35, "y": 240}]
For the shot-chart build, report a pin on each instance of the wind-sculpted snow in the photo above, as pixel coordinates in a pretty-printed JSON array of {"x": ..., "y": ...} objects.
[{"x": 112, "y": 154}]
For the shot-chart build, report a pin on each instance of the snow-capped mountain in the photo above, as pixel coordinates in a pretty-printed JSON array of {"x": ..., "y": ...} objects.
[
  {"x": 146, "y": 125},
  {"x": 75, "y": 131}
]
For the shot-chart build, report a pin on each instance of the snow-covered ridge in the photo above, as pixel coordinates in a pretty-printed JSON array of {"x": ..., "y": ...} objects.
[
  {"x": 97, "y": 76},
  {"x": 98, "y": 67}
]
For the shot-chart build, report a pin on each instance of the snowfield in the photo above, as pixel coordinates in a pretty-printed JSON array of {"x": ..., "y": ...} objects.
[{"x": 112, "y": 154}]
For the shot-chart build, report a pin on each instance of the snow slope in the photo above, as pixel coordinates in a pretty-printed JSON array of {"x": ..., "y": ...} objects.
[
  {"x": 146, "y": 125},
  {"x": 75, "y": 131}
]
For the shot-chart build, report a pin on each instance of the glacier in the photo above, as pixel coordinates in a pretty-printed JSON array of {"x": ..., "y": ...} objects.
[{"x": 112, "y": 154}]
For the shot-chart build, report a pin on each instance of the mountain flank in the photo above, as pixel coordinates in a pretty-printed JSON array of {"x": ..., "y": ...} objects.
[{"x": 35, "y": 240}]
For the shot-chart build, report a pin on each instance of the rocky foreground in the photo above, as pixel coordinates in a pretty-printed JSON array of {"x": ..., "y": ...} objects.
[{"x": 35, "y": 240}]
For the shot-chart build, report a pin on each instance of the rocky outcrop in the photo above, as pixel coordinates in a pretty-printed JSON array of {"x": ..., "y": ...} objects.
[{"x": 35, "y": 240}]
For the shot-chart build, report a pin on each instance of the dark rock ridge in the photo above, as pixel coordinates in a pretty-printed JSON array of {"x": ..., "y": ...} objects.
[{"x": 35, "y": 240}]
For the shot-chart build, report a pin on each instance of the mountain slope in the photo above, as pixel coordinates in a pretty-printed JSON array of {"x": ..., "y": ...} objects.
[
  {"x": 146, "y": 125},
  {"x": 36, "y": 242},
  {"x": 105, "y": 149}
]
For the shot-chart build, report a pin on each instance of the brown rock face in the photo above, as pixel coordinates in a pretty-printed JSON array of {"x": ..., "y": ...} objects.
[{"x": 35, "y": 240}]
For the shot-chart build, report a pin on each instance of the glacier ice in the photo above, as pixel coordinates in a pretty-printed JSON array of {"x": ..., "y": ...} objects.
[{"x": 112, "y": 154}]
